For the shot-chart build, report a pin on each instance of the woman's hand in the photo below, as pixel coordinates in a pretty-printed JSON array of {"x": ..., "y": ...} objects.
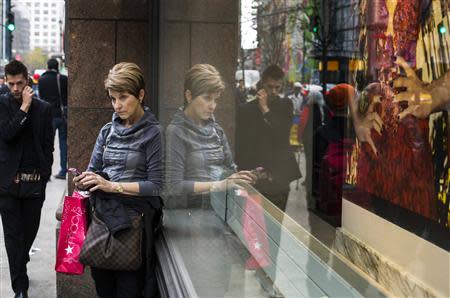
[
  {"x": 77, "y": 181},
  {"x": 243, "y": 177},
  {"x": 234, "y": 181},
  {"x": 93, "y": 182}
]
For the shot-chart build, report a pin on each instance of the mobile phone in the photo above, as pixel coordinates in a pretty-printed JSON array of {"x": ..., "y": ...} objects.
[
  {"x": 259, "y": 172},
  {"x": 74, "y": 171},
  {"x": 257, "y": 169}
]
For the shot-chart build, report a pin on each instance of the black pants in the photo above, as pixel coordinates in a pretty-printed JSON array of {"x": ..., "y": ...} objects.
[
  {"x": 118, "y": 284},
  {"x": 277, "y": 194},
  {"x": 20, "y": 219},
  {"x": 128, "y": 284}
]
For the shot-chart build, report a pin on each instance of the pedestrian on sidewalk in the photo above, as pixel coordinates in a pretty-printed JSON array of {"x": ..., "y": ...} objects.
[
  {"x": 313, "y": 117},
  {"x": 53, "y": 89},
  {"x": 3, "y": 87},
  {"x": 128, "y": 152},
  {"x": 298, "y": 101},
  {"x": 26, "y": 157}
]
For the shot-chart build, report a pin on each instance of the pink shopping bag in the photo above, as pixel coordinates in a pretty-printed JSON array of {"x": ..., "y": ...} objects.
[
  {"x": 254, "y": 230},
  {"x": 71, "y": 235}
]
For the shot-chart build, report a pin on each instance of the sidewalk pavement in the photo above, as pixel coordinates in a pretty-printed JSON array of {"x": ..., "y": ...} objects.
[{"x": 41, "y": 266}]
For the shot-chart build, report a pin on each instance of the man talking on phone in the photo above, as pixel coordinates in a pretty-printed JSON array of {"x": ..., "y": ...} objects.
[
  {"x": 262, "y": 143},
  {"x": 262, "y": 132},
  {"x": 26, "y": 157}
]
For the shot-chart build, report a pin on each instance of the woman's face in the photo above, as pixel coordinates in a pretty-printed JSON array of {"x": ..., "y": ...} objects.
[
  {"x": 125, "y": 104},
  {"x": 202, "y": 107}
]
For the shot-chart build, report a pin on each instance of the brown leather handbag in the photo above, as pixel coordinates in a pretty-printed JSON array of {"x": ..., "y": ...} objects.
[{"x": 121, "y": 251}]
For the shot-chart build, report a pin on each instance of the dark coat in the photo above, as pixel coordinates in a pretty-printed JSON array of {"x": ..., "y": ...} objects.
[
  {"x": 112, "y": 209},
  {"x": 48, "y": 91},
  {"x": 264, "y": 141},
  {"x": 4, "y": 89},
  {"x": 12, "y": 121}
]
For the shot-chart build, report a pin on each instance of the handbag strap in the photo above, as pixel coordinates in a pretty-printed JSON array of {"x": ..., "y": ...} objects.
[
  {"x": 219, "y": 135},
  {"x": 58, "y": 82},
  {"x": 108, "y": 138}
]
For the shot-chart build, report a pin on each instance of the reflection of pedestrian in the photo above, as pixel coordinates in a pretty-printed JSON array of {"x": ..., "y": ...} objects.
[
  {"x": 336, "y": 144},
  {"x": 128, "y": 151},
  {"x": 262, "y": 140},
  {"x": 199, "y": 170},
  {"x": 199, "y": 159},
  {"x": 297, "y": 98},
  {"x": 312, "y": 118},
  {"x": 289, "y": 88},
  {"x": 263, "y": 130},
  {"x": 26, "y": 157},
  {"x": 3, "y": 87},
  {"x": 53, "y": 89},
  {"x": 241, "y": 93}
]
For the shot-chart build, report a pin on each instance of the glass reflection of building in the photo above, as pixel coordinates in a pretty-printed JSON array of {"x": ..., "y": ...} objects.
[{"x": 375, "y": 240}]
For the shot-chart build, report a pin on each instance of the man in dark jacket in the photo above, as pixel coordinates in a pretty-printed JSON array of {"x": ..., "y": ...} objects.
[
  {"x": 262, "y": 140},
  {"x": 3, "y": 87},
  {"x": 53, "y": 89},
  {"x": 262, "y": 132},
  {"x": 26, "y": 157}
]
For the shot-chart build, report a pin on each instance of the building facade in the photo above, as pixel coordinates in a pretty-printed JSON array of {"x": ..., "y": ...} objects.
[
  {"x": 240, "y": 244},
  {"x": 21, "y": 39},
  {"x": 45, "y": 22}
]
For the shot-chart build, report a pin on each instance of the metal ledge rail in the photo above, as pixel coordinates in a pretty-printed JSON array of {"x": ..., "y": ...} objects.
[{"x": 299, "y": 264}]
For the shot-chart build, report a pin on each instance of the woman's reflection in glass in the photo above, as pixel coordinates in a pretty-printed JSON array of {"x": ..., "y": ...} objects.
[{"x": 200, "y": 172}]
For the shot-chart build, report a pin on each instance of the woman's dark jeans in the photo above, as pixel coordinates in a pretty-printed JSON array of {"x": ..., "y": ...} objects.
[{"x": 118, "y": 284}]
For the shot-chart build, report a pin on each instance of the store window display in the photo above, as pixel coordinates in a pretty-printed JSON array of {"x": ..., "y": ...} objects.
[{"x": 399, "y": 159}]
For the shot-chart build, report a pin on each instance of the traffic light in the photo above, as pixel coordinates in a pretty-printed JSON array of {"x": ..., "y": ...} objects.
[
  {"x": 10, "y": 25},
  {"x": 314, "y": 24},
  {"x": 442, "y": 29}
]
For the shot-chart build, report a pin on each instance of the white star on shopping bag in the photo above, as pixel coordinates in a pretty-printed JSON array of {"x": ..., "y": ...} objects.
[
  {"x": 258, "y": 245},
  {"x": 69, "y": 250}
]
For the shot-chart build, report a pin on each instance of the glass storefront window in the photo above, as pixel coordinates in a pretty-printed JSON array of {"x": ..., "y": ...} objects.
[
  {"x": 332, "y": 177},
  {"x": 239, "y": 249}
]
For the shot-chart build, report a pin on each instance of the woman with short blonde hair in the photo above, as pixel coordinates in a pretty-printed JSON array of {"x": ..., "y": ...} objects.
[
  {"x": 126, "y": 168},
  {"x": 201, "y": 79},
  {"x": 199, "y": 158},
  {"x": 125, "y": 77}
]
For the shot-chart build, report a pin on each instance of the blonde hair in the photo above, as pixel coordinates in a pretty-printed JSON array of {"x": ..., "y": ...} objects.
[
  {"x": 201, "y": 79},
  {"x": 125, "y": 77}
]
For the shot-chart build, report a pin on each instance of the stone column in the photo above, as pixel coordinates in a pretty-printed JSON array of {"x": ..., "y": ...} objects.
[
  {"x": 100, "y": 33},
  {"x": 198, "y": 31}
]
